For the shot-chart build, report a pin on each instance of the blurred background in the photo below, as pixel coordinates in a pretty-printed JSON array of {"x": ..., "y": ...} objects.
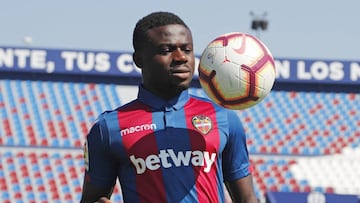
[{"x": 64, "y": 62}]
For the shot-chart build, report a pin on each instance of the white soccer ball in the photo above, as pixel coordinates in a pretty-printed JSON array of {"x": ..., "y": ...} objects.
[{"x": 236, "y": 70}]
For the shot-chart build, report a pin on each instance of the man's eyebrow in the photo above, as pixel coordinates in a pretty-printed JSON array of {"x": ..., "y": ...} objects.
[{"x": 176, "y": 44}]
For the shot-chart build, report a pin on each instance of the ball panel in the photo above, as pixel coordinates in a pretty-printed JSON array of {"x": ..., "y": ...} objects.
[
  {"x": 265, "y": 77},
  {"x": 236, "y": 70}
]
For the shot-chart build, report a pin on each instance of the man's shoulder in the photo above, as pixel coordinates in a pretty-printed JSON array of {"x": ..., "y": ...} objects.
[
  {"x": 201, "y": 99},
  {"x": 205, "y": 100},
  {"x": 130, "y": 105},
  {"x": 108, "y": 113}
]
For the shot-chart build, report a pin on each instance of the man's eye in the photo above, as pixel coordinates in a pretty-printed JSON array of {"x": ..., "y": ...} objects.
[
  {"x": 169, "y": 49},
  {"x": 188, "y": 49},
  {"x": 165, "y": 50}
]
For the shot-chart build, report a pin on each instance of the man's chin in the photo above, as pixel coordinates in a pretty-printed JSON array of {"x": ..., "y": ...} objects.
[{"x": 182, "y": 86}]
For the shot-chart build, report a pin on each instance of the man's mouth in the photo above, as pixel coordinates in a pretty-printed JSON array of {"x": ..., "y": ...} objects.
[{"x": 181, "y": 73}]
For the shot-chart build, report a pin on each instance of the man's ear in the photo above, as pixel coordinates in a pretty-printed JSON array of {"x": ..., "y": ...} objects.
[{"x": 137, "y": 59}]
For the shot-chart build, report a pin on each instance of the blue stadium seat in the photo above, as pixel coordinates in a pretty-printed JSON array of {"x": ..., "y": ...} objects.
[{"x": 57, "y": 115}]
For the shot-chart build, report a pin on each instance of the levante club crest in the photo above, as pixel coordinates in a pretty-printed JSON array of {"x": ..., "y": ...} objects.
[{"x": 202, "y": 123}]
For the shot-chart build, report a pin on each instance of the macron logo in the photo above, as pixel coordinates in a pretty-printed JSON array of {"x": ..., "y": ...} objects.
[
  {"x": 138, "y": 128},
  {"x": 168, "y": 158}
]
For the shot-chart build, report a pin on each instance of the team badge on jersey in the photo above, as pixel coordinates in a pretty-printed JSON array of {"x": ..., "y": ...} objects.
[{"x": 202, "y": 123}]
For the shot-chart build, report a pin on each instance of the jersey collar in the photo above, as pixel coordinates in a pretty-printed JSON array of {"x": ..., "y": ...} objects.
[{"x": 156, "y": 102}]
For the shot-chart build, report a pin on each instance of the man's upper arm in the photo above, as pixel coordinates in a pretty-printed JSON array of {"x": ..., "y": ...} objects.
[
  {"x": 100, "y": 165},
  {"x": 92, "y": 193},
  {"x": 236, "y": 165},
  {"x": 242, "y": 190},
  {"x": 235, "y": 156}
]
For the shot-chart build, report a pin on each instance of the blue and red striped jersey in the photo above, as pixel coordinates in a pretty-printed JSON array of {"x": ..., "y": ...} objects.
[{"x": 179, "y": 150}]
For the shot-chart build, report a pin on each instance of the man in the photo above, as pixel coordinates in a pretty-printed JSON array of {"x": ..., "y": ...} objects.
[{"x": 167, "y": 145}]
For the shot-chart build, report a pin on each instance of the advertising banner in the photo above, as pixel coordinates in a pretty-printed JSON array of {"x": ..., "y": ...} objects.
[{"x": 107, "y": 63}]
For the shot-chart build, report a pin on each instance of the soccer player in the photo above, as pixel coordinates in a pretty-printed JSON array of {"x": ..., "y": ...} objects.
[{"x": 167, "y": 145}]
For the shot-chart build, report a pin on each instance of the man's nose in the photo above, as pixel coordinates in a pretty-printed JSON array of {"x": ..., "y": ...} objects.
[{"x": 179, "y": 55}]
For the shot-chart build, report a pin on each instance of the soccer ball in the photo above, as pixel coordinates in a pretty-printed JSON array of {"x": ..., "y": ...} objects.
[{"x": 236, "y": 70}]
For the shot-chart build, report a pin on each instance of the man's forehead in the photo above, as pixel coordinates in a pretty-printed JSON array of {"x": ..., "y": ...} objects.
[
  {"x": 167, "y": 31},
  {"x": 170, "y": 36}
]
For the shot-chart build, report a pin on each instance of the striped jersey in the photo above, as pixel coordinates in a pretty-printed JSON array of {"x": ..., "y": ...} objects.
[{"x": 180, "y": 150}]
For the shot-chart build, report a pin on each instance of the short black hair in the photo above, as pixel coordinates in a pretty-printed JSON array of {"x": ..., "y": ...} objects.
[{"x": 150, "y": 21}]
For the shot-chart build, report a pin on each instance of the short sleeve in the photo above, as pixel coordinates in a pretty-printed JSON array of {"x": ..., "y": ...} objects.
[
  {"x": 100, "y": 166},
  {"x": 235, "y": 155}
]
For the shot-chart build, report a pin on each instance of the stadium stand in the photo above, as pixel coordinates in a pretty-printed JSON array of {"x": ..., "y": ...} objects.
[{"x": 309, "y": 144}]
